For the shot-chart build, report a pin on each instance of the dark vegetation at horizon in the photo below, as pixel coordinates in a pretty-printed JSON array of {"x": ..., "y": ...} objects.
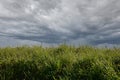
[{"x": 59, "y": 63}]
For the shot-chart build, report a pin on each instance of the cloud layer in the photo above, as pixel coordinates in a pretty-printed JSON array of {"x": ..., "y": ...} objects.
[{"x": 92, "y": 22}]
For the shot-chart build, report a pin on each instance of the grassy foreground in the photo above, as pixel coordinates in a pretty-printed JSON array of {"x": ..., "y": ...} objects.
[{"x": 59, "y": 63}]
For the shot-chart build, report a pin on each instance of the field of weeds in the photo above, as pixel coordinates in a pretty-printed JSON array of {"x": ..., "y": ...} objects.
[{"x": 59, "y": 63}]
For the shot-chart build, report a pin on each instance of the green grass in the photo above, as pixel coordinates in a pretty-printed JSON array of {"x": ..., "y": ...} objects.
[{"x": 59, "y": 63}]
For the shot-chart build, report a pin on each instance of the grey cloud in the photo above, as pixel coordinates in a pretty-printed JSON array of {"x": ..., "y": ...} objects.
[
  {"x": 92, "y": 22},
  {"x": 8, "y": 41}
]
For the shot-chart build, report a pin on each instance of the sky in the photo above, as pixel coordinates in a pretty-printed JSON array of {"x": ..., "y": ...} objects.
[{"x": 51, "y": 22}]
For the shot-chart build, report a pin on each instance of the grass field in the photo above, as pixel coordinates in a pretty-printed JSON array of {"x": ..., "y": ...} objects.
[{"x": 59, "y": 63}]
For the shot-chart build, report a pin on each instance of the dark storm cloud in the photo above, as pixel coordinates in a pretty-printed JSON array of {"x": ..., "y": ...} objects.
[{"x": 55, "y": 21}]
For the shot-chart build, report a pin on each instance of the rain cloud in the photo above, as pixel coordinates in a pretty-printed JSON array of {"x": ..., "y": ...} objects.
[{"x": 92, "y": 22}]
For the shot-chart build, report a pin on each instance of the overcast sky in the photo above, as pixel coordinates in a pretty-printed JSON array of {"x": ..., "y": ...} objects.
[{"x": 92, "y": 22}]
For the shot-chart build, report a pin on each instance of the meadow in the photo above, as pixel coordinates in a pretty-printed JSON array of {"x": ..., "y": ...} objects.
[{"x": 59, "y": 63}]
